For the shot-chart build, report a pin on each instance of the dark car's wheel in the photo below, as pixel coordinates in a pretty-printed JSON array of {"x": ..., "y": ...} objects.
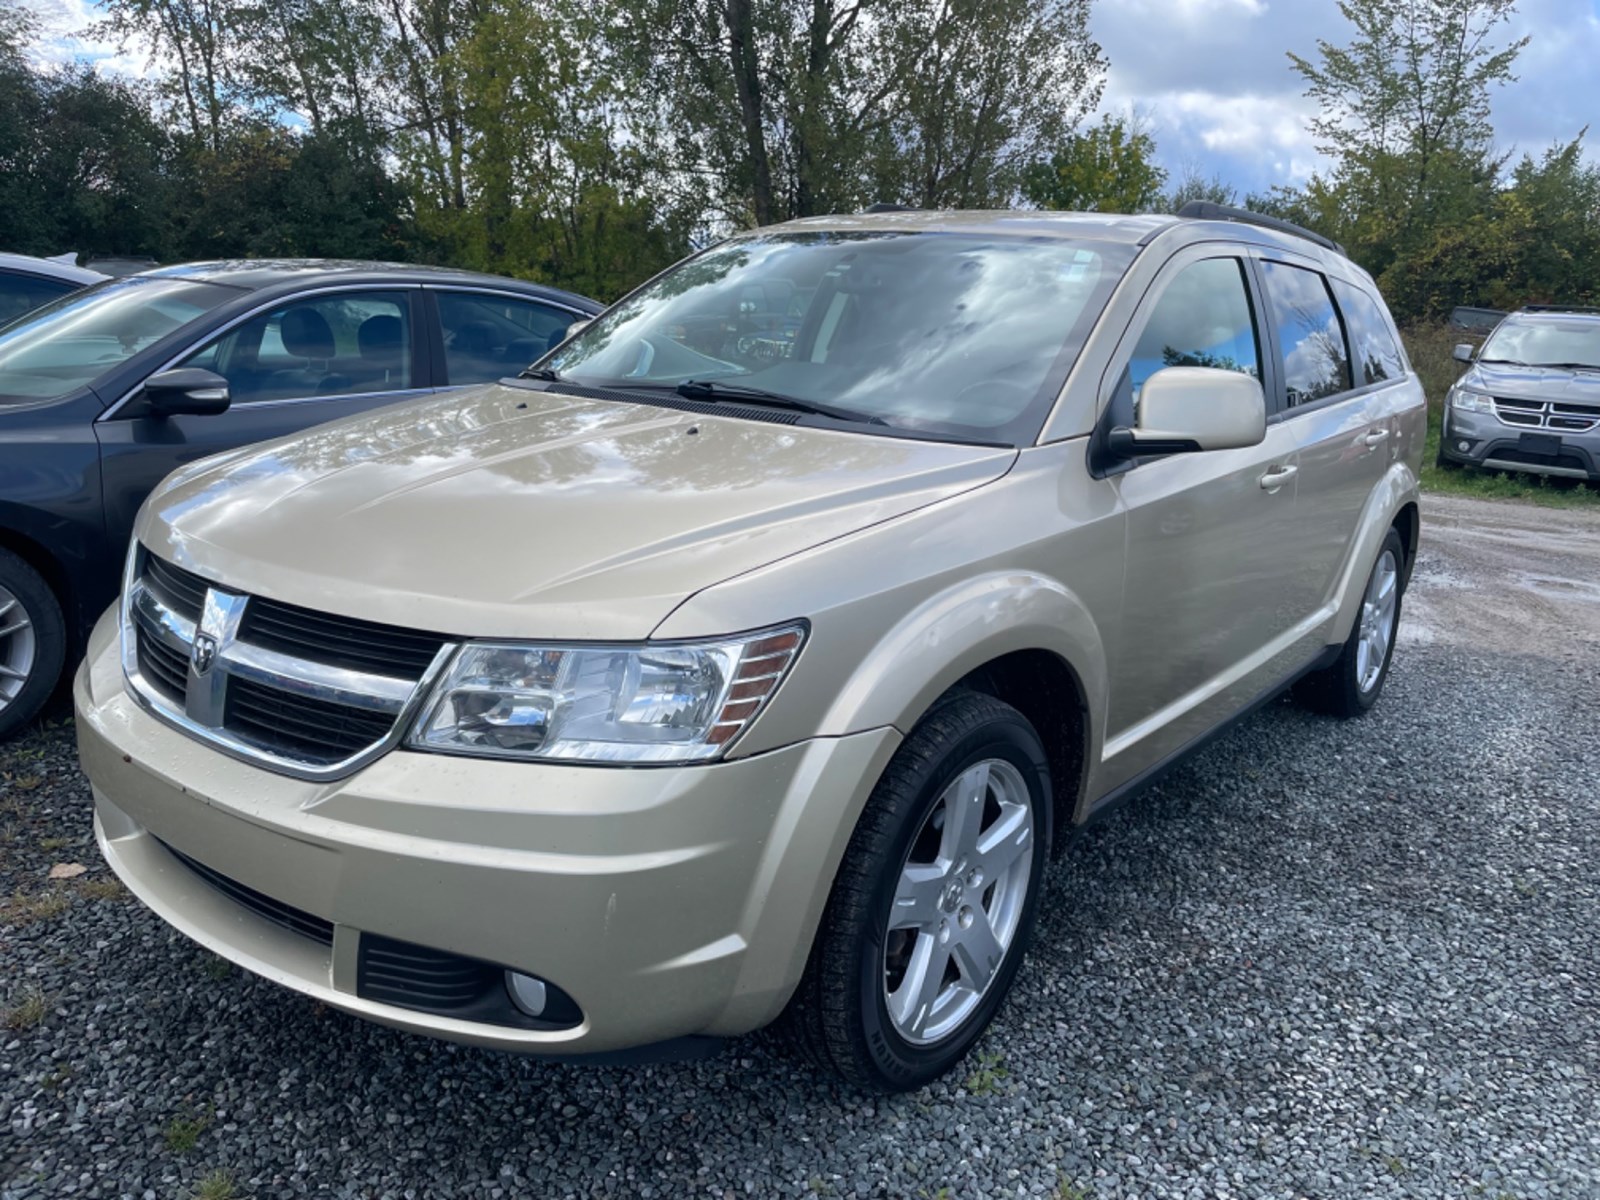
[
  {"x": 1351, "y": 686},
  {"x": 934, "y": 903},
  {"x": 1443, "y": 463},
  {"x": 33, "y": 642}
]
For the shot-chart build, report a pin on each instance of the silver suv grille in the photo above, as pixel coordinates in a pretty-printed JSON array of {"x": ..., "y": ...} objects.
[
  {"x": 1547, "y": 414},
  {"x": 306, "y": 693}
]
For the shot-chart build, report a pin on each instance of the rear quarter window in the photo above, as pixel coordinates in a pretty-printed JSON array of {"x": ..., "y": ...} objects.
[{"x": 1316, "y": 362}]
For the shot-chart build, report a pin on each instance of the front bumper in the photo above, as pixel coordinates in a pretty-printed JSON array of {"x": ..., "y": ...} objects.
[
  {"x": 666, "y": 902},
  {"x": 1481, "y": 440}
]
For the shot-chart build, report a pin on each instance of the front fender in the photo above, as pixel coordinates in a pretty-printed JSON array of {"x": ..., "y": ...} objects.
[{"x": 1394, "y": 491}]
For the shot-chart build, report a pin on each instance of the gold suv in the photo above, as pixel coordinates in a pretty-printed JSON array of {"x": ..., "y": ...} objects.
[{"x": 748, "y": 655}]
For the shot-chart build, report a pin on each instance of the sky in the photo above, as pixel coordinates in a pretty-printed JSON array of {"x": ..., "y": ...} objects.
[{"x": 1213, "y": 79}]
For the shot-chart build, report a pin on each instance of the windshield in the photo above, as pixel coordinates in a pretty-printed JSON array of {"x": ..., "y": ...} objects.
[
  {"x": 959, "y": 334},
  {"x": 62, "y": 346},
  {"x": 1546, "y": 342}
]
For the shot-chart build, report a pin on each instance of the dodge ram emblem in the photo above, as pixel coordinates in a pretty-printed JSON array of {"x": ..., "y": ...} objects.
[{"x": 204, "y": 653}]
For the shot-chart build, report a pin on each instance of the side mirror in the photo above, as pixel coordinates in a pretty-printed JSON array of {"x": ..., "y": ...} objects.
[
  {"x": 190, "y": 391},
  {"x": 1184, "y": 409},
  {"x": 578, "y": 327},
  {"x": 1464, "y": 352}
]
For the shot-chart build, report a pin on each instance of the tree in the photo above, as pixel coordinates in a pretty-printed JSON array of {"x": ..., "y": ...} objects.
[
  {"x": 1107, "y": 168},
  {"x": 1194, "y": 185}
]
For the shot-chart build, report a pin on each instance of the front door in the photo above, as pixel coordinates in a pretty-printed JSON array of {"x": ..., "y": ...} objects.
[{"x": 1205, "y": 621}]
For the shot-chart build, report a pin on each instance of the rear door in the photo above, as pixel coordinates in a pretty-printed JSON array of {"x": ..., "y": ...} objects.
[
  {"x": 292, "y": 364},
  {"x": 1206, "y": 623},
  {"x": 1335, "y": 408}
]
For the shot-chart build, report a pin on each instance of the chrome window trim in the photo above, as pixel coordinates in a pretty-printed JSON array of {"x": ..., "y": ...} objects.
[
  {"x": 267, "y": 306},
  {"x": 384, "y": 694}
]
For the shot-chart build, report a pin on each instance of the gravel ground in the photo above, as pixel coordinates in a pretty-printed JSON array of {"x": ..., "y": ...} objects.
[{"x": 1323, "y": 960}]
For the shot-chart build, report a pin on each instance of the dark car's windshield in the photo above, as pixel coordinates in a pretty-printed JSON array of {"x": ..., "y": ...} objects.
[
  {"x": 62, "y": 346},
  {"x": 959, "y": 334},
  {"x": 1545, "y": 342}
]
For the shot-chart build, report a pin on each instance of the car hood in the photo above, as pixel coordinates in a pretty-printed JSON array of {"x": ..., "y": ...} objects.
[
  {"x": 1535, "y": 383},
  {"x": 512, "y": 512}
]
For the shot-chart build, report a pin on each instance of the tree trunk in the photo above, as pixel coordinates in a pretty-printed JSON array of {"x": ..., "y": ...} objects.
[{"x": 747, "y": 83}]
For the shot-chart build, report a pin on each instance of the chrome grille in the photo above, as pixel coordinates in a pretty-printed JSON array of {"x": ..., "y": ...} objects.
[
  {"x": 1547, "y": 414},
  {"x": 309, "y": 694}
]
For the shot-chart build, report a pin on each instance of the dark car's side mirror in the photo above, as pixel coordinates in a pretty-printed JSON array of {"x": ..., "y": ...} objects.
[
  {"x": 1187, "y": 409},
  {"x": 1464, "y": 352},
  {"x": 187, "y": 391}
]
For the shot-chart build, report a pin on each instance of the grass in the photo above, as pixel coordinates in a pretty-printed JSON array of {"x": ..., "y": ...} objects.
[
  {"x": 985, "y": 1081},
  {"x": 27, "y": 1012},
  {"x": 51, "y": 844},
  {"x": 23, "y": 909},
  {"x": 215, "y": 1185},
  {"x": 102, "y": 889},
  {"x": 218, "y": 968},
  {"x": 1430, "y": 348},
  {"x": 1067, "y": 1190},
  {"x": 181, "y": 1133}
]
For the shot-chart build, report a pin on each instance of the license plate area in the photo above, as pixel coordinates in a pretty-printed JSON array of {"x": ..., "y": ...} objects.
[{"x": 1540, "y": 445}]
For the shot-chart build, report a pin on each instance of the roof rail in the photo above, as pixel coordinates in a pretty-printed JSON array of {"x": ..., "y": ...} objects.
[
  {"x": 887, "y": 206},
  {"x": 1205, "y": 210},
  {"x": 1588, "y": 309}
]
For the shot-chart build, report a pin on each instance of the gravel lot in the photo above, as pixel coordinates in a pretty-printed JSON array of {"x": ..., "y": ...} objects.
[{"x": 1324, "y": 960}]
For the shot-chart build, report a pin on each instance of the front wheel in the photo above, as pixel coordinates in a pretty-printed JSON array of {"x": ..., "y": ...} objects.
[
  {"x": 33, "y": 643},
  {"x": 934, "y": 903},
  {"x": 1351, "y": 686}
]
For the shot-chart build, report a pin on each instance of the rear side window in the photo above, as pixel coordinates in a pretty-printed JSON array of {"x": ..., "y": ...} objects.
[
  {"x": 24, "y": 293},
  {"x": 1202, "y": 320},
  {"x": 488, "y": 336},
  {"x": 1316, "y": 364},
  {"x": 1373, "y": 346}
]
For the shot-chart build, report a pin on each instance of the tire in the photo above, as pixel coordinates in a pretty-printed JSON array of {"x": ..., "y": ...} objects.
[
  {"x": 1443, "y": 463},
  {"x": 1352, "y": 685},
  {"x": 33, "y": 643},
  {"x": 841, "y": 1017}
]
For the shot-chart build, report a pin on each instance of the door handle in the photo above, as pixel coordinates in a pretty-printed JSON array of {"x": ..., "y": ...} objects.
[
  {"x": 1276, "y": 477},
  {"x": 1377, "y": 437}
]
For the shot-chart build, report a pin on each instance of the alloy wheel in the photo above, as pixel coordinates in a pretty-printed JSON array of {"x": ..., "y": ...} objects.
[
  {"x": 1378, "y": 609},
  {"x": 958, "y": 902},
  {"x": 18, "y": 647}
]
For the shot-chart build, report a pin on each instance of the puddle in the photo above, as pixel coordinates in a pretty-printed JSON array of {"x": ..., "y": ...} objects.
[{"x": 1574, "y": 589}]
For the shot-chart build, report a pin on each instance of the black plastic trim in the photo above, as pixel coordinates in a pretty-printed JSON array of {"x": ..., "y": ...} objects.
[{"x": 1205, "y": 210}]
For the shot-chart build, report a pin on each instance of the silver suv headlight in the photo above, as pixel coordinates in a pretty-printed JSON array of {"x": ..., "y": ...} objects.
[
  {"x": 665, "y": 702},
  {"x": 1470, "y": 401}
]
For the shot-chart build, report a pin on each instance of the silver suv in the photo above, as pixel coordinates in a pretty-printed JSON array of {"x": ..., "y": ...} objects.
[
  {"x": 1530, "y": 399},
  {"x": 750, "y": 655}
]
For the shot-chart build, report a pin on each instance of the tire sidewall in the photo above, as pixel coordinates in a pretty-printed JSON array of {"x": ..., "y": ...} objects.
[
  {"x": 900, "y": 1063},
  {"x": 50, "y": 642}
]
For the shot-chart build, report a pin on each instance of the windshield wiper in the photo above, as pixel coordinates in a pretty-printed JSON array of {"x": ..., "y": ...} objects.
[
  {"x": 706, "y": 389},
  {"x": 547, "y": 374},
  {"x": 1510, "y": 362},
  {"x": 1569, "y": 366}
]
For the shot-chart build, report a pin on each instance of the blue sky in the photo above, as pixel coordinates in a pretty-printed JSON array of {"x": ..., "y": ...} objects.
[{"x": 1212, "y": 77}]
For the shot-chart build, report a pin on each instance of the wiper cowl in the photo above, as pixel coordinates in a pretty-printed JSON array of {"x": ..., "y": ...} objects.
[{"x": 707, "y": 389}]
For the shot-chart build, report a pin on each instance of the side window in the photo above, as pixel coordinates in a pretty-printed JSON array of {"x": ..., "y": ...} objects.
[
  {"x": 333, "y": 345},
  {"x": 1202, "y": 319},
  {"x": 1316, "y": 364},
  {"x": 488, "y": 336},
  {"x": 24, "y": 293},
  {"x": 1372, "y": 344}
]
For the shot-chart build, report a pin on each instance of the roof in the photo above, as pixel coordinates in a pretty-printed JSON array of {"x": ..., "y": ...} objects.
[
  {"x": 255, "y": 274},
  {"x": 48, "y": 268}
]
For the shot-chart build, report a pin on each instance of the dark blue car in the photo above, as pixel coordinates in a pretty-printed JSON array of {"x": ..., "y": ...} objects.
[{"x": 105, "y": 391}]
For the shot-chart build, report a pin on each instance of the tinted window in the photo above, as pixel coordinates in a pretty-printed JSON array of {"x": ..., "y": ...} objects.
[
  {"x": 487, "y": 337},
  {"x": 1370, "y": 340},
  {"x": 66, "y": 344},
  {"x": 1202, "y": 320},
  {"x": 957, "y": 333},
  {"x": 333, "y": 345},
  {"x": 21, "y": 293},
  {"x": 1310, "y": 338}
]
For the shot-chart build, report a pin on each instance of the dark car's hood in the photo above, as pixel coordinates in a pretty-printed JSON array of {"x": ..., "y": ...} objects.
[{"x": 1534, "y": 383}]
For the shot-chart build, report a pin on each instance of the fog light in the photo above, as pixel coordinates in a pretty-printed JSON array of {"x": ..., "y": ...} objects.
[
  {"x": 527, "y": 993},
  {"x": 1463, "y": 446}
]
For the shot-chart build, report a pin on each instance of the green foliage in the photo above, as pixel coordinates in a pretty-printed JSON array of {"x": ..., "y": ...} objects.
[{"x": 1109, "y": 167}]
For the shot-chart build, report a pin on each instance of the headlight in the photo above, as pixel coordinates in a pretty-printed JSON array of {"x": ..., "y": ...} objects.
[
  {"x": 652, "y": 703},
  {"x": 1470, "y": 401}
]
